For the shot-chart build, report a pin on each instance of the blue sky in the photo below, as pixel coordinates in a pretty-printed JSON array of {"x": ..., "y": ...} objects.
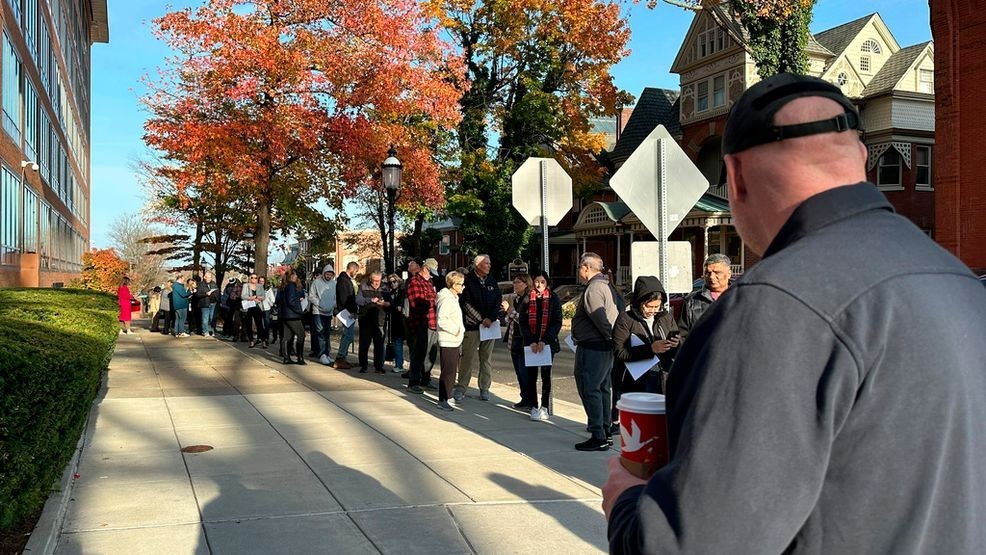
[{"x": 117, "y": 68}]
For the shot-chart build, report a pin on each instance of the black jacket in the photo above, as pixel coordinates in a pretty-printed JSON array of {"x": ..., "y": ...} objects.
[
  {"x": 631, "y": 323},
  {"x": 346, "y": 293},
  {"x": 480, "y": 299},
  {"x": 692, "y": 308},
  {"x": 809, "y": 412},
  {"x": 288, "y": 302},
  {"x": 529, "y": 336}
]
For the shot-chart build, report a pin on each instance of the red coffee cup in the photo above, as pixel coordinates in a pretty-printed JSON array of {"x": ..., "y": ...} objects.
[{"x": 643, "y": 433}]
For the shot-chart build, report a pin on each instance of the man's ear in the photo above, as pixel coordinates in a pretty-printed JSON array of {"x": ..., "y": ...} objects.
[{"x": 734, "y": 178}]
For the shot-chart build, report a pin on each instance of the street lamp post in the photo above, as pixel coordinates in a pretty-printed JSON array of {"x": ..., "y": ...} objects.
[
  {"x": 391, "y": 172},
  {"x": 248, "y": 235}
]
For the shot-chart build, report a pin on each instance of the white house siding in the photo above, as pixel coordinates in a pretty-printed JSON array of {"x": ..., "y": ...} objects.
[
  {"x": 878, "y": 115},
  {"x": 916, "y": 115}
]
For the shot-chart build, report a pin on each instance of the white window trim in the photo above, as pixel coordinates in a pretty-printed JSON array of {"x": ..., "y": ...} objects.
[
  {"x": 711, "y": 93},
  {"x": 899, "y": 186},
  {"x": 930, "y": 186},
  {"x": 869, "y": 64}
]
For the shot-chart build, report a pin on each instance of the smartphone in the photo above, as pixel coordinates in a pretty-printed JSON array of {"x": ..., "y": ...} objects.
[{"x": 672, "y": 334}]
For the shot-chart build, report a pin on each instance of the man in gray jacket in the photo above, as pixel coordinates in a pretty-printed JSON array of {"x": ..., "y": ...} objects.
[
  {"x": 826, "y": 403},
  {"x": 592, "y": 331},
  {"x": 322, "y": 296}
]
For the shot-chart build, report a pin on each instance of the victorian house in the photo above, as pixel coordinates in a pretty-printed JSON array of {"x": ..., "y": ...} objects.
[{"x": 892, "y": 86}]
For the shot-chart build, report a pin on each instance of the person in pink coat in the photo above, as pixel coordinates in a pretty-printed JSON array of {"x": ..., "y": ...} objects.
[{"x": 124, "y": 297}]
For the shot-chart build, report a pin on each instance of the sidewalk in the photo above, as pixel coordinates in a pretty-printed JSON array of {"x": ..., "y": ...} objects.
[{"x": 309, "y": 459}]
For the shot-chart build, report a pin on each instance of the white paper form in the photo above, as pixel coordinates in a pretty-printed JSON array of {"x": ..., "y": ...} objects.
[
  {"x": 346, "y": 318},
  {"x": 640, "y": 367},
  {"x": 537, "y": 359},
  {"x": 570, "y": 342},
  {"x": 492, "y": 332}
]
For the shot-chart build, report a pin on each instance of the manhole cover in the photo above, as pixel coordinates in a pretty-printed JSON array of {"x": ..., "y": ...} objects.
[{"x": 196, "y": 449}]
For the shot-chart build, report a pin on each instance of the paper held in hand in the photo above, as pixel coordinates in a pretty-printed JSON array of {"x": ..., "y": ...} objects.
[
  {"x": 304, "y": 304},
  {"x": 247, "y": 305},
  {"x": 346, "y": 318},
  {"x": 640, "y": 367},
  {"x": 537, "y": 359},
  {"x": 492, "y": 332},
  {"x": 570, "y": 342}
]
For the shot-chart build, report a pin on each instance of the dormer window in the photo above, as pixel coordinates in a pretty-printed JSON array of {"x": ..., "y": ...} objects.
[
  {"x": 842, "y": 79},
  {"x": 711, "y": 39},
  {"x": 871, "y": 45}
]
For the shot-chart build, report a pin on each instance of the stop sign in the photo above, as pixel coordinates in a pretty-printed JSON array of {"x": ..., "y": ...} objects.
[{"x": 527, "y": 181}]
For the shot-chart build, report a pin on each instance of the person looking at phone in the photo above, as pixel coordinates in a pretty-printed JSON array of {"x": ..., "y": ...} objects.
[
  {"x": 646, "y": 330},
  {"x": 716, "y": 274}
]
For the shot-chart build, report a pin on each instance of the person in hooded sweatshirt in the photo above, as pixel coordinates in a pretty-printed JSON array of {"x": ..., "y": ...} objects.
[{"x": 652, "y": 323}]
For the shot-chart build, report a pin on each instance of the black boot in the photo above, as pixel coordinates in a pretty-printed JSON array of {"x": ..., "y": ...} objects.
[{"x": 287, "y": 360}]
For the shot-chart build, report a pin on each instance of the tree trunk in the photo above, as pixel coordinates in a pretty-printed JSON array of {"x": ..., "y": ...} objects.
[
  {"x": 220, "y": 261},
  {"x": 419, "y": 223},
  {"x": 261, "y": 237},
  {"x": 197, "y": 248}
]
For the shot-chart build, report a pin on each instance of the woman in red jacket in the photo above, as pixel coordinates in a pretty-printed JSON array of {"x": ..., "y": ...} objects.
[{"x": 124, "y": 297}]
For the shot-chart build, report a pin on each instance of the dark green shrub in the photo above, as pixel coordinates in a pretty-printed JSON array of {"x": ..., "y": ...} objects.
[{"x": 54, "y": 347}]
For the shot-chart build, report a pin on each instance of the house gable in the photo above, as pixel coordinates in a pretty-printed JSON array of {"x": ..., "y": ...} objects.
[
  {"x": 711, "y": 33},
  {"x": 866, "y": 44}
]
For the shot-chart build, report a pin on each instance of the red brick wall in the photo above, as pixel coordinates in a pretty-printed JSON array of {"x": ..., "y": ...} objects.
[
  {"x": 959, "y": 30},
  {"x": 915, "y": 205}
]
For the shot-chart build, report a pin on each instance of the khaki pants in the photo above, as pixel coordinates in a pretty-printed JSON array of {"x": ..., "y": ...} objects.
[{"x": 470, "y": 345}]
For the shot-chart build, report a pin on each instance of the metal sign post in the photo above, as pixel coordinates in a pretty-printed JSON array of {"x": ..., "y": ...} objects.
[
  {"x": 662, "y": 209},
  {"x": 543, "y": 165}
]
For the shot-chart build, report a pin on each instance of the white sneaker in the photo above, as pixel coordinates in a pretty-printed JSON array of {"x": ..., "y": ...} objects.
[
  {"x": 542, "y": 414},
  {"x": 535, "y": 414},
  {"x": 398, "y": 370},
  {"x": 324, "y": 359}
]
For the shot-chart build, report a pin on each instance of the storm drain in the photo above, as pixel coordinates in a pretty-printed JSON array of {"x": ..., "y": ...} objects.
[{"x": 196, "y": 449}]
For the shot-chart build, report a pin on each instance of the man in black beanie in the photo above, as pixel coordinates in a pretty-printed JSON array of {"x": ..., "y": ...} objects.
[{"x": 828, "y": 402}]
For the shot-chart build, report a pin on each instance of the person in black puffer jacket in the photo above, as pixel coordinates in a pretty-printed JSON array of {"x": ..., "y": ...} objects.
[
  {"x": 290, "y": 312},
  {"x": 653, "y": 325}
]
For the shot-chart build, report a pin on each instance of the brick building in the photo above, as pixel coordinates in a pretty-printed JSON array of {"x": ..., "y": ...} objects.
[
  {"x": 959, "y": 30},
  {"x": 44, "y": 148}
]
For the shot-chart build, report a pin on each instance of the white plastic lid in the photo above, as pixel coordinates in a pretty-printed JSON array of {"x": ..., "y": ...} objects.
[{"x": 645, "y": 403}]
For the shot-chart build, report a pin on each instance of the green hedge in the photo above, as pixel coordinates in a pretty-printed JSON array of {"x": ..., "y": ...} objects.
[{"x": 54, "y": 346}]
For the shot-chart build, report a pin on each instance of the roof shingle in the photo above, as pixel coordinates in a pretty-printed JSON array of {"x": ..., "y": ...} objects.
[
  {"x": 889, "y": 75},
  {"x": 655, "y": 107}
]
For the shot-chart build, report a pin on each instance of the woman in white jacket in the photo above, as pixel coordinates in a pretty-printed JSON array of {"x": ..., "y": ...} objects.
[{"x": 450, "y": 333}]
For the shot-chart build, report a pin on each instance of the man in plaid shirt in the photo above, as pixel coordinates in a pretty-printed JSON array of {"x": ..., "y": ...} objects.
[{"x": 421, "y": 322}]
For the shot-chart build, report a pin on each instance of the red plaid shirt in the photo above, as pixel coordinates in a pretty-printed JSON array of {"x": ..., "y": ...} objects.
[{"x": 421, "y": 303}]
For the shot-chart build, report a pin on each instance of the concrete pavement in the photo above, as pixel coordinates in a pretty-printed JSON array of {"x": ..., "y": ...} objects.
[{"x": 309, "y": 459}]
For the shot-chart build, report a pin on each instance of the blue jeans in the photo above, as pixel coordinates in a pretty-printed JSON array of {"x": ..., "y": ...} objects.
[
  {"x": 207, "y": 313},
  {"x": 323, "y": 331},
  {"x": 180, "y": 315},
  {"x": 592, "y": 377},
  {"x": 517, "y": 357},
  {"x": 346, "y": 341},
  {"x": 398, "y": 353}
]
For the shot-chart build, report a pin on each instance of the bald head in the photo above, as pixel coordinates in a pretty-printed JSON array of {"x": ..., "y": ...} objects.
[{"x": 767, "y": 182}]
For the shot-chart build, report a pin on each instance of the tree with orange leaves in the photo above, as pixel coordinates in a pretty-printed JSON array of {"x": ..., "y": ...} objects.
[
  {"x": 102, "y": 270},
  {"x": 290, "y": 102}
]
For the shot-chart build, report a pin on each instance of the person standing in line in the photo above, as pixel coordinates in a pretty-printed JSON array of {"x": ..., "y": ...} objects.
[
  {"x": 205, "y": 291},
  {"x": 266, "y": 305},
  {"x": 155, "y": 308},
  {"x": 480, "y": 308},
  {"x": 592, "y": 331},
  {"x": 514, "y": 338},
  {"x": 253, "y": 316},
  {"x": 167, "y": 310},
  {"x": 397, "y": 326},
  {"x": 346, "y": 300},
  {"x": 641, "y": 333},
  {"x": 450, "y": 333},
  {"x": 422, "y": 322},
  {"x": 124, "y": 298},
  {"x": 179, "y": 300},
  {"x": 716, "y": 276},
  {"x": 229, "y": 304},
  {"x": 540, "y": 323},
  {"x": 322, "y": 295},
  {"x": 373, "y": 301},
  {"x": 288, "y": 300},
  {"x": 826, "y": 403}
]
